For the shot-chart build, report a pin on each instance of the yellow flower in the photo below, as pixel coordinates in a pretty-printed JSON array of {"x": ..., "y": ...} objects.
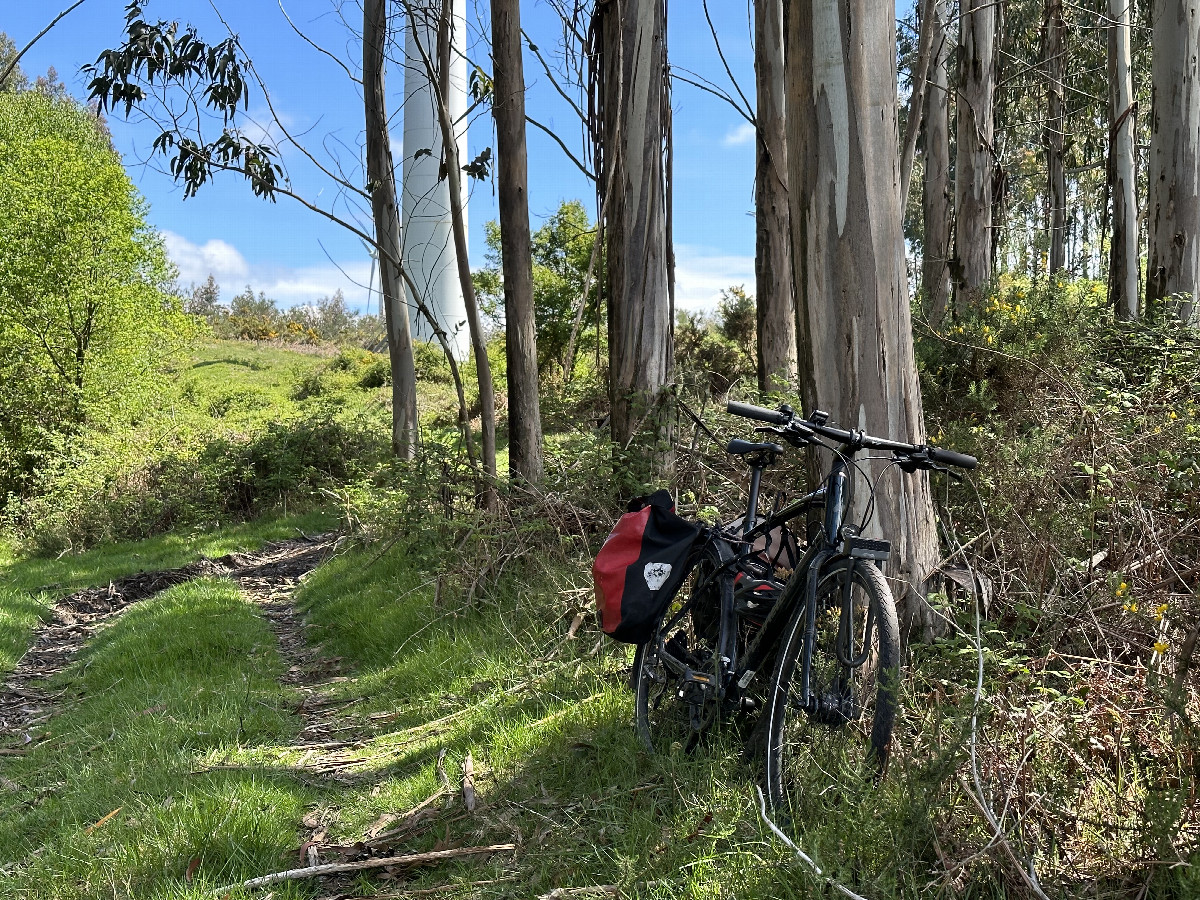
[
  {"x": 1160, "y": 646},
  {"x": 1172, "y": 415},
  {"x": 1122, "y": 588}
]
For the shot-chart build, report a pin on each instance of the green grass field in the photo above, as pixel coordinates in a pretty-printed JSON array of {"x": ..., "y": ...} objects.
[{"x": 183, "y": 758}]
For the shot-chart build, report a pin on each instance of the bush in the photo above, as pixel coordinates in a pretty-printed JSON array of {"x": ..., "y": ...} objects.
[
  {"x": 86, "y": 318},
  {"x": 110, "y": 488}
]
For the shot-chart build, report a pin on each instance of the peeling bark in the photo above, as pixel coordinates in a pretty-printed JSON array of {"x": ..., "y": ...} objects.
[
  {"x": 772, "y": 258},
  {"x": 628, "y": 120},
  {"x": 386, "y": 214},
  {"x": 1122, "y": 184},
  {"x": 1053, "y": 136},
  {"x": 935, "y": 201},
  {"x": 972, "y": 265},
  {"x": 856, "y": 348},
  {"x": 1174, "y": 205}
]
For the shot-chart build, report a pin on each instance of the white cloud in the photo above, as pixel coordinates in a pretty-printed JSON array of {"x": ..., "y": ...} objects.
[
  {"x": 742, "y": 134},
  {"x": 196, "y": 262},
  {"x": 701, "y": 275},
  {"x": 287, "y": 286}
]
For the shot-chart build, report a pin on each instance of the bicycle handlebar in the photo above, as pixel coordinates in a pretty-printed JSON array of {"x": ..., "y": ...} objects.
[
  {"x": 952, "y": 458},
  {"x": 759, "y": 413},
  {"x": 804, "y": 429}
]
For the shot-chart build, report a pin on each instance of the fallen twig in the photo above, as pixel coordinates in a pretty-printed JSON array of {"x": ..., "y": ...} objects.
[
  {"x": 411, "y": 859},
  {"x": 588, "y": 890},
  {"x": 800, "y": 854},
  {"x": 468, "y": 782}
]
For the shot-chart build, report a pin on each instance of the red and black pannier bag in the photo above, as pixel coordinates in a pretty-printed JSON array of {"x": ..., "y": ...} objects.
[{"x": 641, "y": 566}]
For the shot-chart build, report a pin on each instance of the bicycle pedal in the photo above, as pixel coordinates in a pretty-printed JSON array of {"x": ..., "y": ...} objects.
[{"x": 865, "y": 548}]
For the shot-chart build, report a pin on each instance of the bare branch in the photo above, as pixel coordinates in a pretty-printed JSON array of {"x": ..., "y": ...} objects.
[
  {"x": 582, "y": 168},
  {"x": 304, "y": 37},
  {"x": 721, "y": 53},
  {"x": 550, "y": 74},
  {"x": 12, "y": 63},
  {"x": 711, "y": 89}
]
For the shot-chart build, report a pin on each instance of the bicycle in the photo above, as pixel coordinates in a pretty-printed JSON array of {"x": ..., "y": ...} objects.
[{"x": 828, "y": 629}]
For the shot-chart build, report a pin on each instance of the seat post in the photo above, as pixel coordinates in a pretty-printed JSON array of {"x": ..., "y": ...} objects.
[{"x": 757, "y": 464}]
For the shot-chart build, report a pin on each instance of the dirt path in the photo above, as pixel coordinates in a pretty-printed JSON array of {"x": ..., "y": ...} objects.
[{"x": 267, "y": 578}]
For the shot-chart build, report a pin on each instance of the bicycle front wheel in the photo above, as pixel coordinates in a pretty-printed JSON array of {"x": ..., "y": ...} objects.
[
  {"x": 672, "y": 711},
  {"x": 842, "y": 735}
]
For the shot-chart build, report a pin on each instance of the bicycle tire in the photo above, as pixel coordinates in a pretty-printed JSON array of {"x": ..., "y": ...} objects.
[
  {"x": 846, "y": 736},
  {"x": 667, "y": 722}
]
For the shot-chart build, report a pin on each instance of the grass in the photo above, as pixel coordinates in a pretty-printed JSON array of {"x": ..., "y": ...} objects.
[
  {"x": 181, "y": 678},
  {"x": 30, "y": 585},
  {"x": 1085, "y": 781},
  {"x": 186, "y": 681}
]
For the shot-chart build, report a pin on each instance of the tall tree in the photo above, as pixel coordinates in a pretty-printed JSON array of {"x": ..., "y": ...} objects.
[
  {"x": 508, "y": 107},
  {"x": 935, "y": 200},
  {"x": 386, "y": 215},
  {"x": 856, "y": 348},
  {"x": 85, "y": 312},
  {"x": 439, "y": 74},
  {"x": 11, "y": 76},
  {"x": 973, "y": 160},
  {"x": 1123, "y": 246},
  {"x": 772, "y": 255},
  {"x": 1054, "y": 34},
  {"x": 1173, "y": 268},
  {"x": 629, "y": 120}
]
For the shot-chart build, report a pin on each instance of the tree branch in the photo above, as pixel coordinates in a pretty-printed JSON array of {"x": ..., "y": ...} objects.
[
  {"x": 12, "y": 64},
  {"x": 582, "y": 168}
]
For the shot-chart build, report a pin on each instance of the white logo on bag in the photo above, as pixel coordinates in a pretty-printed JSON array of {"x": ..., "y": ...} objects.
[{"x": 656, "y": 574}]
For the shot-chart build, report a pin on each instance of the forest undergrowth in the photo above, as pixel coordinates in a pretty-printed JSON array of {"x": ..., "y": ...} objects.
[{"x": 1047, "y": 744}]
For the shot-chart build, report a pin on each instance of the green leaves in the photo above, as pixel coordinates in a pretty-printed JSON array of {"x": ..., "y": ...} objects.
[
  {"x": 84, "y": 317},
  {"x": 159, "y": 57}
]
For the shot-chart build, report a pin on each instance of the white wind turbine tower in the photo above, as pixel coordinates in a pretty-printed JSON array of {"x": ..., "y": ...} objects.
[
  {"x": 373, "y": 252},
  {"x": 428, "y": 243}
]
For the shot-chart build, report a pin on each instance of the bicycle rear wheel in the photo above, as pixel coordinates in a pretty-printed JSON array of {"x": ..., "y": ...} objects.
[
  {"x": 673, "y": 712},
  {"x": 844, "y": 733}
]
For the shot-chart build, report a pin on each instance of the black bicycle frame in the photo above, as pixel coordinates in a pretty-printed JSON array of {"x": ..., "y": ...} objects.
[
  {"x": 804, "y": 578},
  {"x": 802, "y": 582}
]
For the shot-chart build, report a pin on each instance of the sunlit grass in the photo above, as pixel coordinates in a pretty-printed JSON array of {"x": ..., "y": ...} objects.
[{"x": 184, "y": 676}]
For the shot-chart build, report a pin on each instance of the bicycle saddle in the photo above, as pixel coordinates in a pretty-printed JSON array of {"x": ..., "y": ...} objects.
[{"x": 738, "y": 447}]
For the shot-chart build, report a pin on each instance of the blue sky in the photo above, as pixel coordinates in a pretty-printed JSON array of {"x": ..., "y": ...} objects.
[{"x": 293, "y": 254}]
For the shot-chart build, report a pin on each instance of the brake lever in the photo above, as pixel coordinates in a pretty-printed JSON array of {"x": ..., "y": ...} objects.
[
  {"x": 912, "y": 461},
  {"x": 796, "y": 433}
]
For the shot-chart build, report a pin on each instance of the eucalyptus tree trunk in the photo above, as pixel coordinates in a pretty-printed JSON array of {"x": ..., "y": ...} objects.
[
  {"x": 1053, "y": 134},
  {"x": 927, "y": 26},
  {"x": 772, "y": 253},
  {"x": 973, "y": 161},
  {"x": 629, "y": 118},
  {"x": 386, "y": 213},
  {"x": 439, "y": 74},
  {"x": 856, "y": 348},
  {"x": 1174, "y": 206},
  {"x": 1122, "y": 184},
  {"x": 508, "y": 108},
  {"x": 935, "y": 200}
]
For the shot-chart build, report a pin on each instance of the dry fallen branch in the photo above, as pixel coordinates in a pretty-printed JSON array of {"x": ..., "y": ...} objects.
[
  {"x": 411, "y": 859},
  {"x": 468, "y": 782},
  {"x": 592, "y": 890}
]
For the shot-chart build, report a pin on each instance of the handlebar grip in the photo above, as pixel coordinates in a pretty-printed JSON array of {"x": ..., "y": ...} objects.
[
  {"x": 748, "y": 411},
  {"x": 950, "y": 458}
]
